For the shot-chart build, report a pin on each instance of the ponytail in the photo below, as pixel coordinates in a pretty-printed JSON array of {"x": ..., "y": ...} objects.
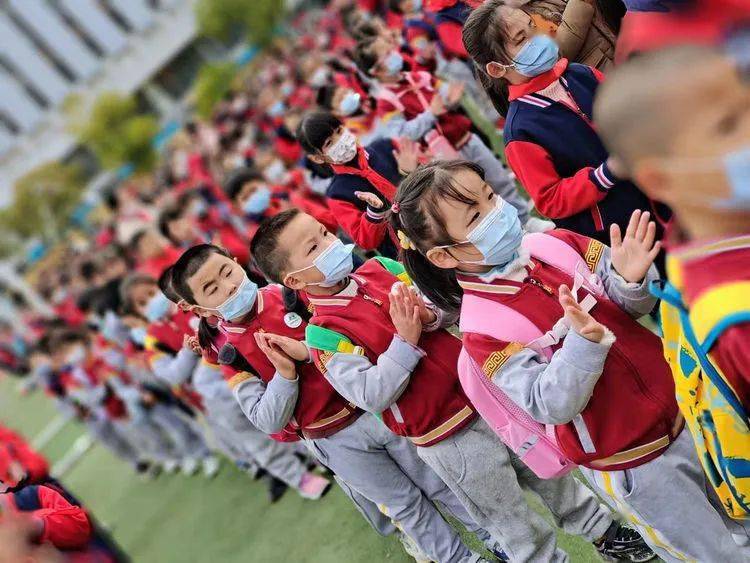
[
  {"x": 206, "y": 334},
  {"x": 416, "y": 219}
]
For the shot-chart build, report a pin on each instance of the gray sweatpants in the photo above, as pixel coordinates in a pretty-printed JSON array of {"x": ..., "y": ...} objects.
[
  {"x": 378, "y": 464},
  {"x": 495, "y": 174},
  {"x": 488, "y": 479},
  {"x": 187, "y": 440},
  {"x": 666, "y": 499},
  {"x": 102, "y": 430}
]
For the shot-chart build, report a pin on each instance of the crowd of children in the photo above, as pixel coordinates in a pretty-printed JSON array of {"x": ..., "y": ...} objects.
[{"x": 341, "y": 274}]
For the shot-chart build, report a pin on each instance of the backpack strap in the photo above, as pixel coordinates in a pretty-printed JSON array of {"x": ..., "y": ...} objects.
[
  {"x": 395, "y": 268},
  {"x": 327, "y": 340},
  {"x": 388, "y": 95}
]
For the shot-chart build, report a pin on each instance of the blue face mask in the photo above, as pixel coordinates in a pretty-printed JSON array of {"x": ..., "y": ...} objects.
[
  {"x": 497, "y": 236},
  {"x": 350, "y": 103},
  {"x": 416, "y": 5},
  {"x": 277, "y": 109},
  {"x": 158, "y": 307},
  {"x": 737, "y": 170},
  {"x": 240, "y": 302},
  {"x": 335, "y": 263},
  {"x": 394, "y": 63},
  {"x": 538, "y": 55},
  {"x": 138, "y": 335},
  {"x": 258, "y": 202}
]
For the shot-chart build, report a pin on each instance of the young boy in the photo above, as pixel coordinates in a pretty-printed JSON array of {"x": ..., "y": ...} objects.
[
  {"x": 686, "y": 140},
  {"x": 382, "y": 348},
  {"x": 278, "y": 393}
]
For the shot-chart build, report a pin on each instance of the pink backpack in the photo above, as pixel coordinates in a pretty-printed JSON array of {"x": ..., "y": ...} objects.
[{"x": 534, "y": 443}]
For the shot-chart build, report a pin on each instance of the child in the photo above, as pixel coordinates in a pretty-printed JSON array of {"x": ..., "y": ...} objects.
[
  {"x": 364, "y": 336},
  {"x": 708, "y": 261},
  {"x": 365, "y": 178},
  {"x": 276, "y": 392},
  {"x": 413, "y": 105},
  {"x": 549, "y": 141},
  {"x": 597, "y": 378}
]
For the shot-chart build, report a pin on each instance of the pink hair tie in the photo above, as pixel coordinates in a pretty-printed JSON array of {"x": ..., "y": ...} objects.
[{"x": 395, "y": 208}]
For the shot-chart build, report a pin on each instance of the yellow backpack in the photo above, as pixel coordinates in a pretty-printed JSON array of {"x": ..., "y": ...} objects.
[{"x": 714, "y": 414}]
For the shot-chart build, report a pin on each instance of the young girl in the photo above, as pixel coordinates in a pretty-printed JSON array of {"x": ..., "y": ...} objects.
[
  {"x": 605, "y": 390},
  {"x": 549, "y": 140}
]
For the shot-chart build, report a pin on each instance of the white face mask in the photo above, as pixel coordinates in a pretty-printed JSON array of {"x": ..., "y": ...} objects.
[{"x": 343, "y": 150}]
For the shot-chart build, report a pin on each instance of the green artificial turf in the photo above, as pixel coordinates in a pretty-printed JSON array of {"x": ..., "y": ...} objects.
[{"x": 226, "y": 520}]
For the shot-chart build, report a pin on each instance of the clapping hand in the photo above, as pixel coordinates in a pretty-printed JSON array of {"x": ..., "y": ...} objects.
[{"x": 578, "y": 319}]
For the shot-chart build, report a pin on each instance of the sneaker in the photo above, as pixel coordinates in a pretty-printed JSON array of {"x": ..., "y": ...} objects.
[
  {"x": 211, "y": 466},
  {"x": 189, "y": 466},
  {"x": 412, "y": 549},
  {"x": 623, "y": 543},
  {"x": 171, "y": 466},
  {"x": 276, "y": 489},
  {"x": 313, "y": 487},
  {"x": 147, "y": 471}
]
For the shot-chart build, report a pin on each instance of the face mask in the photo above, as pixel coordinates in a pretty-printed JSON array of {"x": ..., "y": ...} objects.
[
  {"x": 344, "y": 150},
  {"x": 76, "y": 356},
  {"x": 277, "y": 109},
  {"x": 349, "y": 104},
  {"x": 138, "y": 335},
  {"x": 275, "y": 171},
  {"x": 416, "y": 5},
  {"x": 240, "y": 302},
  {"x": 258, "y": 202},
  {"x": 538, "y": 55},
  {"x": 498, "y": 236},
  {"x": 335, "y": 263},
  {"x": 157, "y": 307},
  {"x": 737, "y": 170},
  {"x": 394, "y": 63}
]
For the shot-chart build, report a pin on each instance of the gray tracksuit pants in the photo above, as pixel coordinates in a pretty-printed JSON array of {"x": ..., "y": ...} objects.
[
  {"x": 379, "y": 465},
  {"x": 667, "y": 500},
  {"x": 488, "y": 479}
]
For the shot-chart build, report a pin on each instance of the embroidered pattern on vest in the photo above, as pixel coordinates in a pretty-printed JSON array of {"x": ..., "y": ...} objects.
[
  {"x": 594, "y": 254},
  {"x": 497, "y": 359}
]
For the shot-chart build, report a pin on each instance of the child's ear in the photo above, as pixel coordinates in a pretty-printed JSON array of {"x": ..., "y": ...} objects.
[
  {"x": 316, "y": 158},
  {"x": 293, "y": 282},
  {"x": 440, "y": 258},
  {"x": 495, "y": 70},
  {"x": 652, "y": 179}
]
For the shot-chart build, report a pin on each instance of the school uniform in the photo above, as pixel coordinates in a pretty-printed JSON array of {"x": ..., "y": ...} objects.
[
  {"x": 374, "y": 170},
  {"x": 417, "y": 393},
  {"x": 556, "y": 154},
  {"x": 611, "y": 403},
  {"x": 355, "y": 445},
  {"x": 404, "y": 108}
]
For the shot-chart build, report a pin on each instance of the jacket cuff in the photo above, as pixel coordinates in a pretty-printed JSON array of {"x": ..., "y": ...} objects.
[
  {"x": 280, "y": 385},
  {"x": 403, "y": 353},
  {"x": 603, "y": 177},
  {"x": 376, "y": 215},
  {"x": 584, "y": 354}
]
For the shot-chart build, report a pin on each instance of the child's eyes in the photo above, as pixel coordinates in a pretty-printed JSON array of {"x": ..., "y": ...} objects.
[{"x": 474, "y": 217}]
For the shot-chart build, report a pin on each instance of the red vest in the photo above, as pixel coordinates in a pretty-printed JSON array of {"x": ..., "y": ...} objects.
[
  {"x": 632, "y": 413},
  {"x": 320, "y": 411},
  {"x": 433, "y": 406}
]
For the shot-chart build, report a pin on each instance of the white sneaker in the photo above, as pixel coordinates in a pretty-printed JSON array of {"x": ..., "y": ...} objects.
[
  {"x": 538, "y": 225},
  {"x": 189, "y": 466},
  {"x": 171, "y": 466},
  {"x": 211, "y": 466}
]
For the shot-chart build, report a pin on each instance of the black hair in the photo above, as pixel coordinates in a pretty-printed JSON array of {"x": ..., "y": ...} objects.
[
  {"x": 127, "y": 284},
  {"x": 395, "y": 6},
  {"x": 315, "y": 129},
  {"x": 324, "y": 97},
  {"x": 166, "y": 217},
  {"x": 484, "y": 36},
  {"x": 238, "y": 178},
  {"x": 88, "y": 269},
  {"x": 186, "y": 266},
  {"x": 135, "y": 241},
  {"x": 264, "y": 245},
  {"x": 165, "y": 285},
  {"x": 418, "y": 217},
  {"x": 364, "y": 55},
  {"x": 65, "y": 337},
  {"x": 364, "y": 30}
]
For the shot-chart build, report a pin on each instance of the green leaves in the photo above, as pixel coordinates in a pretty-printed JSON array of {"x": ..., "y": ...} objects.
[{"x": 256, "y": 19}]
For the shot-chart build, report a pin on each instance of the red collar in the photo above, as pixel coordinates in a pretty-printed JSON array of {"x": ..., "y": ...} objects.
[{"x": 538, "y": 82}]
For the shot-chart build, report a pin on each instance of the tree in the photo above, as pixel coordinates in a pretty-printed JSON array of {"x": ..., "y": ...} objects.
[
  {"x": 256, "y": 19},
  {"x": 116, "y": 132},
  {"x": 213, "y": 82},
  {"x": 42, "y": 203}
]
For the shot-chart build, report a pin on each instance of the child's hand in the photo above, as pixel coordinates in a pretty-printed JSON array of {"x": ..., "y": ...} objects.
[
  {"x": 191, "y": 342},
  {"x": 633, "y": 255},
  {"x": 295, "y": 349},
  {"x": 427, "y": 316},
  {"x": 370, "y": 199},
  {"x": 405, "y": 315},
  {"x": 280, "y": 360},
  {"x": 578, "y": 319},
  {"x": 455, "y": 92},
  {"x": 437, "y": 105},
  {"x": 407, "y": 155}
]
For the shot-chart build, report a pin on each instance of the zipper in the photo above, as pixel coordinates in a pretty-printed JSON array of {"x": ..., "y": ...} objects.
[
  {"x": 377, "y": 302},
  {"x": 545, "y": 288}
]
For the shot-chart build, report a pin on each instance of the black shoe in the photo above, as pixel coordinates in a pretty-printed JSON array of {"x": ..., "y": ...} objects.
[
  {"x": 276, "y": 489},
  {"x": 623, "y": 543}
]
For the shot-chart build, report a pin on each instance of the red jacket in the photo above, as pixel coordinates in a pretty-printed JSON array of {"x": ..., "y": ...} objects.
[
  {"x": 433, "y": 406},
  {"x": 35, "y": 464},
  {"x": 320, "y": 411},
  {"x": 632, "y": 413},
  {"x": 156, "y": 265}
]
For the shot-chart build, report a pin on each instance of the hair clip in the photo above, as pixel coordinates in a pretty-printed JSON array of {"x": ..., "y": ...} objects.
[
  {"x": 405, "y": 241},
  {"x": 395, "y": 208}
]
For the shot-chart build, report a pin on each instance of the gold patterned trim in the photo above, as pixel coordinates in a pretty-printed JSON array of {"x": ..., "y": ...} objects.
[
  {"x": 239, "y": 378},
  {"x": 444, "y": 428}
]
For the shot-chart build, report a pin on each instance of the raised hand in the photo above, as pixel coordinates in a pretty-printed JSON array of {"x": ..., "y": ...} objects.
[
  {"x": 405, "y": 315},
  {"x": 280, "y": 360},
  {"x": 578, "y": 319},
  {"x": 370, "y": 199},
  {"x": 633, "y": 255},
  {"x": 192, "y": 343},
  {"x": 407, "y": 155},
  {"x": 455, "y": 92},
  {"x": 437, "y": 106}
]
